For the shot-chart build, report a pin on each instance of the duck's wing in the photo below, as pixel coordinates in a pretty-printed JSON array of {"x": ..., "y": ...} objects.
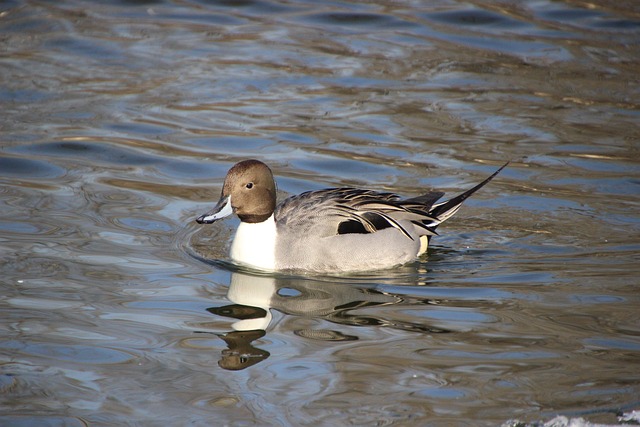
[{"x": 351, "y": 210}]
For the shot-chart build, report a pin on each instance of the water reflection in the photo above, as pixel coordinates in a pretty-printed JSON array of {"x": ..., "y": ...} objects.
[{"x": 255, "y": 295}]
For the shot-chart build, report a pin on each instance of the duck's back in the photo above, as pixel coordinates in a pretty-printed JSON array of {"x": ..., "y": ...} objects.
[{"x": 337, "y": 230}]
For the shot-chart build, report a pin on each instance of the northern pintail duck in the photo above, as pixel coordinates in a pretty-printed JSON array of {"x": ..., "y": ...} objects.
[{"x": 330, "y": 231}]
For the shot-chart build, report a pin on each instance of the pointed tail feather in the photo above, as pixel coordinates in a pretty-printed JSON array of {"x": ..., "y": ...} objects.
[{"x": 445, "y": 210}]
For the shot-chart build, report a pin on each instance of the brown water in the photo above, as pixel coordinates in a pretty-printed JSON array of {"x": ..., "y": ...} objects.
[{"x": 120, "y": 119}]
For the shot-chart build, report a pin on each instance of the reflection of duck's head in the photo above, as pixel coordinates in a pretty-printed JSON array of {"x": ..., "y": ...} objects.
[
  {"x": 252, "y": 296},
  {"x": 240, "y": 354}
]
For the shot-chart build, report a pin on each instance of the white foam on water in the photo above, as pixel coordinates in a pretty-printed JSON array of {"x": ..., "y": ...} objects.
[{"x": 624, "y": 420}]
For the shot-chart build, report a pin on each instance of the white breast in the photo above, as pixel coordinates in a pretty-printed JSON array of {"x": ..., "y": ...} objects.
[{"x": 255, "y": 244}]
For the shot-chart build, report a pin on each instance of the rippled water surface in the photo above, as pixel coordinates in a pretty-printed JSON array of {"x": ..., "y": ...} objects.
[{"x": 120, "y": 119}]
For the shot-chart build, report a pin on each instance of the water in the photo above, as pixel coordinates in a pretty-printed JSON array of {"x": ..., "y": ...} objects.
[{"x": 120, "y": 120}]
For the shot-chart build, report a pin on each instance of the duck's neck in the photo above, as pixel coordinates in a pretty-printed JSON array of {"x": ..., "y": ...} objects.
[{"x": 255, "y": 244}]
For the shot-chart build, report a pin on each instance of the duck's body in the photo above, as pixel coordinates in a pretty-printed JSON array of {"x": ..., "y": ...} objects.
[{"x": 332, "y": 231}]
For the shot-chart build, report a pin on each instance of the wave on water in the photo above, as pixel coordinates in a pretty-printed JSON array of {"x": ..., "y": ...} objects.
[{"x": 625, "y": 419}]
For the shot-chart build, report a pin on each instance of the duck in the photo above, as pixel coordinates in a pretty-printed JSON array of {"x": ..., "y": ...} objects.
[{"x": 334, "y": 230}]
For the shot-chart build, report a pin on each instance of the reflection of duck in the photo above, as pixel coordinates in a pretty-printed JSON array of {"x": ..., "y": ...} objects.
[{"x": 255, "y": 295}]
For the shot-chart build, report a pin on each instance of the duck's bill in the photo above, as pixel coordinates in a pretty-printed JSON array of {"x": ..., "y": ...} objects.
[{"x": 222, "y": 209}]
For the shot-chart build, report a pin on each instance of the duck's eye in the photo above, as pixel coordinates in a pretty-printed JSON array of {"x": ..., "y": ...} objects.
[{"x": 249, "y": 185}]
